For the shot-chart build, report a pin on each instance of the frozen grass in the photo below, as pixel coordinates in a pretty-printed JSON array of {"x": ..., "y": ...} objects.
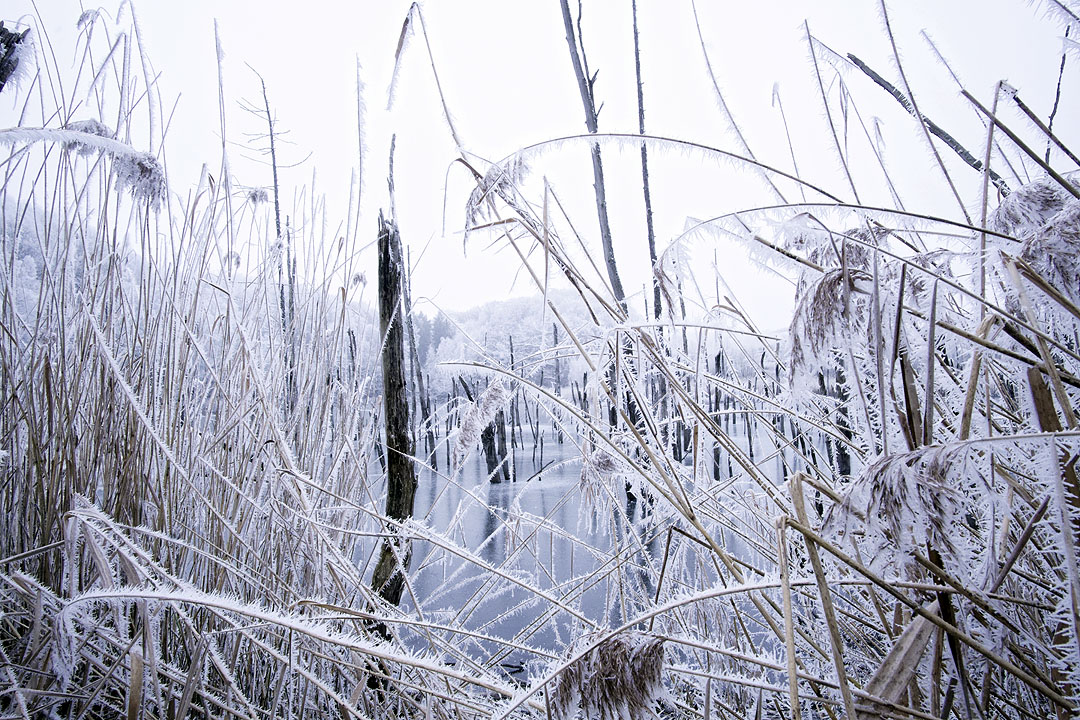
[{"x": 879, "y": 518}]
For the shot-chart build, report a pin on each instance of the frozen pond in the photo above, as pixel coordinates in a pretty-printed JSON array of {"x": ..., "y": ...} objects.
[
  {"x": 517, "y": 564},
  {"x": 505, "y": 536}
]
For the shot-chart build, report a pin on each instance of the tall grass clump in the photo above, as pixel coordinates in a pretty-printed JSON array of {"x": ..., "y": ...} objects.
[
  {"x": 874, "y": 513},
  {"x": 176, "y": 487}
]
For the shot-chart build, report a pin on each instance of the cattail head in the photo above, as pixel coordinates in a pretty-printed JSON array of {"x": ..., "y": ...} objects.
[
  {"x": 499, "y": 181},
  {"x": 143, "y": 175},
  {"x": 619, "y": 678},
  {"x": 598, "y": 470},
  {"x": 826, "y": 309},
  {"x": 909, "y": 499},
  {"x": 1028, "y": 207},
  {"x": 1054, "y": 249}
]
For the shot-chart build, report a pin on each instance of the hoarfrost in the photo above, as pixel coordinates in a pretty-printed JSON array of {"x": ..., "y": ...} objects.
[
  {"x": 478, "y": 416},
  {"x": 599, "y": 472},
  {"x": 89, "y": 127},
  {"x": 143, "y": 175},
  {"x": 140, "y": 172}
]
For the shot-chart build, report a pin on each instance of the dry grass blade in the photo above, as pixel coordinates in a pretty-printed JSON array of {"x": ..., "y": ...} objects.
[
  {"x": 789, "y": 621},
  {"x": 899, "y": 668},
  {"x": 135, "y": 685},
  {"x": 825, "y": 596}
]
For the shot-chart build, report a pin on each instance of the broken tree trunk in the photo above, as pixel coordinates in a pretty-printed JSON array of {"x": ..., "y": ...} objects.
[
  {"x": 388, "y": 579},
  {"x": 500, "y": 437},
  {"x": 418, "y": 374}
]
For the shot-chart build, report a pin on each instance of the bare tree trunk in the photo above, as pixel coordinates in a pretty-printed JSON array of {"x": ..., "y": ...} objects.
[
  {"x": 286, "y": 271},
  {"x": 491, "y": 455},
  {"x": 500, "y": 437},
  {"x": 514, "y": 413},
  {"x": 421, "y": 392},
  {"x": 388, "y": 579},
  {"x": 645, "y": 168},
  {"x": 585, "y": 88},
  {"x": 556, "y": 429}
]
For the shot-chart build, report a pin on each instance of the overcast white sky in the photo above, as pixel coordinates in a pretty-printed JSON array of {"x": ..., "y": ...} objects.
[{"x": 506, "y": 74}]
